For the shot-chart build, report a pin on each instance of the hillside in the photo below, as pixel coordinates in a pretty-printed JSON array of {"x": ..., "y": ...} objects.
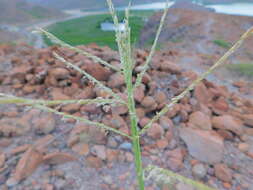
[
  {"x": 18, "y": 11},
  {"x": 202, "y": 32},
  {"x": 87, "y": 4}
]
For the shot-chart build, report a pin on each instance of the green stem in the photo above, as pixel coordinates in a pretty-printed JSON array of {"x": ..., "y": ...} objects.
[{"x": 134, "y": 134}]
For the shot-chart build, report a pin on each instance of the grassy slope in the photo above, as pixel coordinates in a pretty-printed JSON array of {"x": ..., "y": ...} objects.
[{"x": 87, "y": 30}]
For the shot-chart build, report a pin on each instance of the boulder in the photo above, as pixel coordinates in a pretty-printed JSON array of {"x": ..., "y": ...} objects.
[
  {"x": 206, "y": 146},
  {"x": 229, "y": 123}
]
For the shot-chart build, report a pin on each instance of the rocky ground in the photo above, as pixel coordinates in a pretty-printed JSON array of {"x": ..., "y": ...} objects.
[{"x": 208, "y": 136}]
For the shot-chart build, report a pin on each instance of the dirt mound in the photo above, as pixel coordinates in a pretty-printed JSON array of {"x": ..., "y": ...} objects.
[{"x": 207, "y": 136}]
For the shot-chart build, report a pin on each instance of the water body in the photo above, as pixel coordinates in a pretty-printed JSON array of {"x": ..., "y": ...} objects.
[
  {"x": 149, "y": 6},
  {"x": 244, "y": 9},
  {"x": 108, "y": 26}
]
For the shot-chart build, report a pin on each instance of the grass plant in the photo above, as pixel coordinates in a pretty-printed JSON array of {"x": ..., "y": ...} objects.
[{"x": 123, "y": 41}]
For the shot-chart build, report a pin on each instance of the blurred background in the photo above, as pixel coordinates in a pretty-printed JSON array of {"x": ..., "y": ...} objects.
[{"x": 194, "y": 28}]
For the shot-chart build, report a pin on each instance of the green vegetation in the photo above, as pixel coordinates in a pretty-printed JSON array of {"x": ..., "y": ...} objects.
[
  {"x": 87, "y": 30},
  {"x": 244, "y": 69},
  {"x": 222, "y": 43}
]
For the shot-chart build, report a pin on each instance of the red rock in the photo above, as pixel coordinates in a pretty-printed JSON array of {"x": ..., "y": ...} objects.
[
  {"x": 59, "y": 72},
  {"x": 58, "y": 158},
  {"x": 81, "y": 149},
  {"x": 28, "y": 163},
  {"x": 149, "y": 103},
  {"x": 99, "y": 151},
  {"x": 45, "y": 124},
  {"x": 140, "y": 113},
  {"x": 57, "y": 94},
  {"x": 175, "y": 159},
  {"x": 229, "y": 123},
  {"x": 227, "y": 135},
  {"x": 166, "y": 123},
  {"x": 201, "y": 93},
  {"x": 156, "y": 131},
  {"x": 244, "y": 147},
  {"x": 162, "y": 143},
  {"x": 144, "y": 121},
  {"x": 239, "y": 84},
  {"x": 116, "y": 80},
  {"x": 2, "y": 160},
  {"x": 112, "y": 155},
  {"x": 42, "y": 143},
  {"x": 200, "y": 120},
  {"x": 221, "y": 104},
  {"x": 117, "y": 122},
  {"x": 71, "y": 108},
  {"x": 170, "y": 67},
  {"x": 160, "y": 97},
  {"x": 222, "y": 172},
  {"x": 20, "y": 149},
  {"x": 247, "y": 119},
  {"x": 139, "y": 93},
  {"x": 206, "y": 146},
  {"x": 97, "y": 71},
  {"x": 94, "y": 162}
]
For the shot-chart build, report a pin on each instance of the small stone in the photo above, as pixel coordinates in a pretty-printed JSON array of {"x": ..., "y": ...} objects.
[
  {"x": 229, "y": 123},
  {"x": 28, "y": 163},
  {"x": 58, "y": 158},
  {"x": 126, "y": 146},
  {"x": 94, "y": 162},
  {"x": 81, "y": 149},
  {"x": 97, "y": 70},
  {"x": 201, "y": 93},
  {"x": 2, "y": 160},
  {"x": 244, "y": 147},
  {"x": 162, "y": 143},
  {"x": 139, "y": 93},
  {"x": 99, "y": 151},
  {"x": 155, "y": 131},
  {"x": 116, "y": 80},
  {"x": 199, "y": 171},
  {"x": 200, "y": 120},
  {"x": 248, "y": 119},
  {"x": 222, "y": 172},
  {"x": 129, "y": 157},
  {"x": 160, "y": 97},
  {"x": 148, "y": 102},
  {"x": 45, "y": 124}
]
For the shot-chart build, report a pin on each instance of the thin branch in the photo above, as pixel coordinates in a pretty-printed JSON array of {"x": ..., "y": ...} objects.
[
  {"x": 56, "y": 40},
  {"x": 81, "y": 119},
  {"x": 17, "y": 100},
  {"x": 199, "y": 79},
  {"x": 91, "y": 78},
  {"x": 153, "y": 48}
]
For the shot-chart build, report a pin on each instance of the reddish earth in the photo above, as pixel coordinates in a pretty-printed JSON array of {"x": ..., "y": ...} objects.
[
  {"x": 208, "y": 136},
  {"x": 190, "y": 34}
]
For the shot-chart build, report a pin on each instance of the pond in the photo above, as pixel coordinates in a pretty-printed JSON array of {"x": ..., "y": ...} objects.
[{"x": 108, "y": 26}]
